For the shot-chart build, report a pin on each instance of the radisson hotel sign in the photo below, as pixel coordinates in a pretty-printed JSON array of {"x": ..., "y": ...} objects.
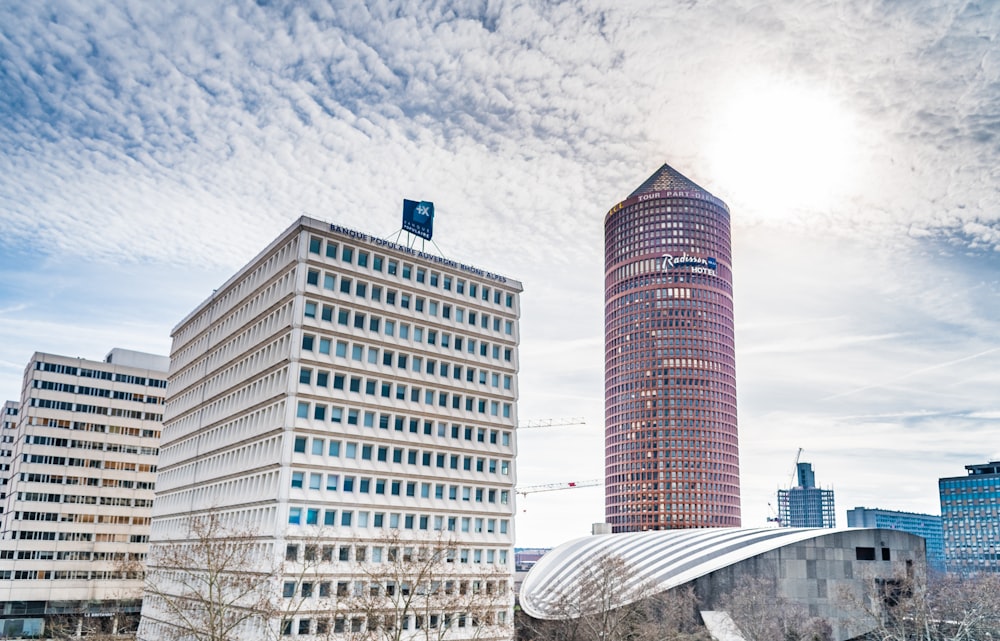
[{"x": 697, "y": 264}]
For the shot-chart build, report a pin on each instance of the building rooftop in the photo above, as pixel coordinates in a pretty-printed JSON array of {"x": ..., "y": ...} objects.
[{"x": 666, "y": 178}]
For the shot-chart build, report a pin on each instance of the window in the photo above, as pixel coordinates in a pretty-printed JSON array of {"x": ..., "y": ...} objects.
[
  {"x": 305, "y": 375},
  {"x": 310, "y": 310},
  {"x": 307, "y": 342},
  {"x": 362, "y": 259},
  {"x": 312, "y": 277},
  {"x": 300, "y": 444},
  {"x": 347, "y": 254},
  {"x": 331, "y": 250},
  {"x": 294, "y": 515},
  {"x": 317, "y": 446},
  {"x": 297, "y": 479}
]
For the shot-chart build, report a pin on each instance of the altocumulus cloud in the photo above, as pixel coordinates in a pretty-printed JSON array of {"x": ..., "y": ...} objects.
[{"x": 171, "y": 141}]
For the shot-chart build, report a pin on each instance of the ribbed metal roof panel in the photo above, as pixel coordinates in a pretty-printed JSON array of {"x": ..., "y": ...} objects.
[{"x": 659, "y": 560}]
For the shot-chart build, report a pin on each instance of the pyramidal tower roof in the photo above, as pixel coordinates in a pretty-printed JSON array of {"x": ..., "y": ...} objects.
[{"x": 666, "y": 178}]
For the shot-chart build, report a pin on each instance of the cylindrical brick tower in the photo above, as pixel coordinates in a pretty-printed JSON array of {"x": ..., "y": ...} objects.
[{"x": 671, "y": 447}]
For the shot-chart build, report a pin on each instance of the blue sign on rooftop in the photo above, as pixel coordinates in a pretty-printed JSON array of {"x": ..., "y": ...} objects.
[{"x": 418, "y": 218}]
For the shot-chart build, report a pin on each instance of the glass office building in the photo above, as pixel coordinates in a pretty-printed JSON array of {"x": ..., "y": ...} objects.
[
  {"x": 969, "y": 519},
  {"x": 927, "y": 526}
]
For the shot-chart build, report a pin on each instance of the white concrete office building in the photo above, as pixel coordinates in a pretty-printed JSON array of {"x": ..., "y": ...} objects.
[
  {"x": 337, "y": 394},
  {"x": 79, "y": 453}
]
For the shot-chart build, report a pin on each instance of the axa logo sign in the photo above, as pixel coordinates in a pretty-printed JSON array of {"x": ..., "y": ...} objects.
[{"x": 697, "y": 264}]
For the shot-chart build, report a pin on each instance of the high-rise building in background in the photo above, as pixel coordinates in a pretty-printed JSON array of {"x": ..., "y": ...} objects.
[
  {"x": 350, "y": 403},
  {"x": 79, "y": 453},
  {"x": 671, "y": 450},
  {"x": 969, "y": 506},
  {"x": 927, "y": 526},
  {"x": 806, "y": 505}
]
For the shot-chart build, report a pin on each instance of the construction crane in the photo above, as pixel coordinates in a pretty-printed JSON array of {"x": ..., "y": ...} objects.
[
  {"x": 792, "y": 482},
  {"x": 551, "y": 422},
  {"x": 551, "y": 487},
  {"x": 795, "y": 470}
]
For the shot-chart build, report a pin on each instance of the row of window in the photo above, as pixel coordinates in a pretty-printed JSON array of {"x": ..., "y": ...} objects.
[
  {"x": 394, "y": 520},
  {"x": 101, "y": 392},
  {"x": 101, "y": 537},
  {"x": 322, "y": 344},
  {"x": 406, "y": 271},
  {"x": 362, "y": 625},
  {"x": 319, "y": 411},
  {"x": 70, "y": 555},
  {"x": 91, "y": 481},
  {"x": 95, "y": 409},
  {"x": 45, "y": 459},
  {"x": 324, "y": 589},
  {"x": 394, "y": 298},
  {"x": 90, "y": 445},
  {"x": 107, "y": 376},
  {"x": 67, "y": 575},
  {"x": 65, "y": 517},
  {"x": 82, "y": 499},
  {"x": 389, "y": 554},
  {"x": 397, "y": 487},
  {"x": 427, "y": 458},
  {"x": 93, "y": 427}
]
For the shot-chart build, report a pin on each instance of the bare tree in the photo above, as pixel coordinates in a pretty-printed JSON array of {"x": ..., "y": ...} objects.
[
  {"x": 762, "y": 614},
  {"x": 405, "y": 589},
  {"x": 224, "y": 584},
  {"x": 592, "y": 610},
  {"x": 949, "y": 608},
  {"x": 216, "y": 584}
]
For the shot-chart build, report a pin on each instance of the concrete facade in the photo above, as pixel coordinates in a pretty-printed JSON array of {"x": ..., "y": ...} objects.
[
  {"x": 341, "y": 391},
  {"x": 80, "y": 453}
]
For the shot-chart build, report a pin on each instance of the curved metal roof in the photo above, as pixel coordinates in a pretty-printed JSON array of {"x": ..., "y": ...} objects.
[{"x": 656, "y": 561}]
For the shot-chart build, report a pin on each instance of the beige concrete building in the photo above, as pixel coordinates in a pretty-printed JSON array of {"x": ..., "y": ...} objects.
[
  {"x": 79, "y": 456},
  {"x": 337, "y": 393}
]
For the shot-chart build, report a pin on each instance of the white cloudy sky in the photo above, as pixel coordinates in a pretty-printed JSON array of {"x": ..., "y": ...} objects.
[{"x": 149, "y": 149}]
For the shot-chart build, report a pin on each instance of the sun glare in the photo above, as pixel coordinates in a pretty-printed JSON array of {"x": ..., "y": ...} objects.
[{"x": 780, "y": 149}]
